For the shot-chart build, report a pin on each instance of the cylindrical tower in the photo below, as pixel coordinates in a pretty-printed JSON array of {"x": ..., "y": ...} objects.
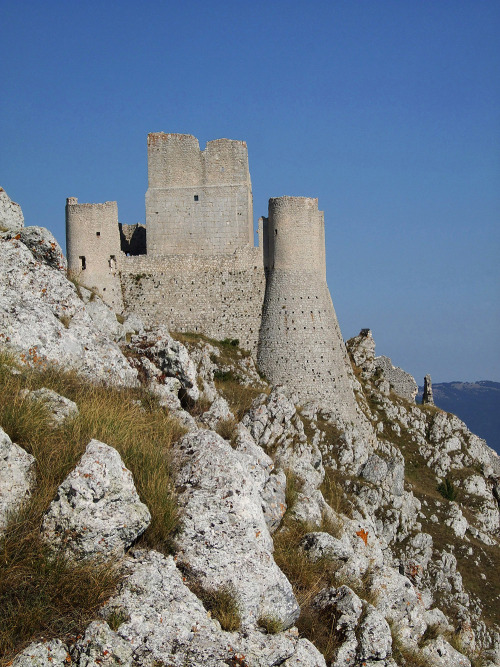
[
  {"x": 93, "y": 248},
  {"x": 300, "y": 344}
]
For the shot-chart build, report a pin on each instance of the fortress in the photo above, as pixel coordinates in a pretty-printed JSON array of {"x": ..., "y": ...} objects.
[{"x": 194, "y": 266}]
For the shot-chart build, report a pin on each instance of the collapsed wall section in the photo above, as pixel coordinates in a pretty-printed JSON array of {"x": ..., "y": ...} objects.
[
  {"x": 197, "y": 201},
  {"x": 300, "y": 343},
  {"x": 93, "y": 248},
  {"x": 198, "y": 293}
]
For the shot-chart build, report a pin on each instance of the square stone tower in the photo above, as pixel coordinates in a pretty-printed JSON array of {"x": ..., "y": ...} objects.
[{"x": 198, "y": 202}]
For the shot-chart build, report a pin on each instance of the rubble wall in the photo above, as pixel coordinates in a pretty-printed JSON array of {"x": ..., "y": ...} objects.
[{"x": 220, "y": 297}]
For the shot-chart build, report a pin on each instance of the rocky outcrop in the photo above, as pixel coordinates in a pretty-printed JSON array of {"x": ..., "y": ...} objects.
[
  {"x": 400, "y": 507},
  {"x": 224, "y": 539},
  {"x": 159, "y": 356},
  {"x": 17, "y": 477},
  {"x": 11, "y": 215},
  {"x": 97, "y": 512},
  {"x": 427, "y": 398},
  {"x": 44, "y": 321}
]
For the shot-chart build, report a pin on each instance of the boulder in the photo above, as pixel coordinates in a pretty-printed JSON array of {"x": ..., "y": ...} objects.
[
  {"x": 169, "y": 356},
  {"x": 97, "y": 512},
  {"x": 52, "y": 653},
  {"x": 17, "y": 477},
  {"x": 59, "y": 407},
  {"x": 43, "y": 245},
  {"x": 224, "y": 539},
  {"x": 155, "y": 619}
]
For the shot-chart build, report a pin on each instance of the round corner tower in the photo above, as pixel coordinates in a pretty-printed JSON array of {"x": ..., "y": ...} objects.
[
  {"x": 93, "y": 248},
  {"x": 300, "y": 344}
]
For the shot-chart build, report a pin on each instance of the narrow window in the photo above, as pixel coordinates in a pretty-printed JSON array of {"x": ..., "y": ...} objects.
[
  {"x": 98, "y": 233},
  {"x": 112, "y": 262},
  {"x": 83, "y": 263},
  {"x": 196, "y": 197}
]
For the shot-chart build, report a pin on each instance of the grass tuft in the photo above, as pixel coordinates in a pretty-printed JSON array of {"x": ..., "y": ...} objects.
[
  {"x": 270, "y": 624},
  {"x": 42, "y": 594}
]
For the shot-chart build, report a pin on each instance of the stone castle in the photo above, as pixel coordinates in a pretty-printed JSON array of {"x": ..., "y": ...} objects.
[{"x": 194, "y": 266}]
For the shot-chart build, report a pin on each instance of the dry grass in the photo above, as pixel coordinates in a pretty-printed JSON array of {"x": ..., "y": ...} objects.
[
  {"x": 308, "y": 579},
  {"x": 222, "y": 603},
  {"x": 42, "y": 595},
  {"x": 240, "y": 397},
  {"x": 226, "y": 428}
]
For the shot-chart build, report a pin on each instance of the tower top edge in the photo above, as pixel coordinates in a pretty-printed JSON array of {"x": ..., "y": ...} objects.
[
  {"x": 294, "y": 201},
  {"x": 73, "y": 201}
]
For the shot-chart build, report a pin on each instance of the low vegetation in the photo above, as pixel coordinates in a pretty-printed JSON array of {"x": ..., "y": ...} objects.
[{"x": 45, "y": 595}]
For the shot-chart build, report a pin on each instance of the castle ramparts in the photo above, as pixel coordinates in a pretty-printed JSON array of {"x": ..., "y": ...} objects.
[{"x": 194, "y": 266}]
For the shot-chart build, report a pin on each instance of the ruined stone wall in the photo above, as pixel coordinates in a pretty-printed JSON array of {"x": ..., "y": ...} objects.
[
  {"x": 197, "y": 201},
  {"x": 93, "y": 248},
  {"x": 220, "y": 296},
  {"x": 300, "y": 343}
]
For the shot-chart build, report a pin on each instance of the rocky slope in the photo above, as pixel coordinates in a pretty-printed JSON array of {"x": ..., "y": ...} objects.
[{"x": 326, "y": 543}]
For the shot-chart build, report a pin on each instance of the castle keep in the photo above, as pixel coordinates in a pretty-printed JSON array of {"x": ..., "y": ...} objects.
[{"x": 194, "y": 266}]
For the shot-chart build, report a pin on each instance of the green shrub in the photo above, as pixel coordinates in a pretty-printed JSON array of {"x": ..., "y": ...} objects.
[{"x": 448, "y": 490}]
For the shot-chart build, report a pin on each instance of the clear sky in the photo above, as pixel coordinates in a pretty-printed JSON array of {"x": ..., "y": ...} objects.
[{"x": 388, "y": 111}]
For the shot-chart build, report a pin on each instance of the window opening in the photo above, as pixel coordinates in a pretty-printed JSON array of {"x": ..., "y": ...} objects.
[{"x": 83, "y": 263}]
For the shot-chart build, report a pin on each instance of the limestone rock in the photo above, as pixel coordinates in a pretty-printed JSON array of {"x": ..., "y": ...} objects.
[
  {"x": 169, "y": 356},
  {"x": 11, "y": 215},
  {"x": 270, "y": 483},
  {"x": 97, "y": 512},
  {"x": 443, "y": 654},
  {"x": 162, "y": 621},
  {"x": 224, "y": 539},
  {"x": 59, "y": 407},
  {"x": 362, "y": 350},
  {"x": 218, "y": 411},
  {"x": 103, "y": 316},
  {"x": 43, "y": 245},
  {"x": 374, "y": 636},
  {"x": 43, "y": 319},
  {"x": 17, "y": 477},
  {"x": 51, "y": 653},
  {"x": 324, "y": 545},
  {"x": 427, "y": 398}
]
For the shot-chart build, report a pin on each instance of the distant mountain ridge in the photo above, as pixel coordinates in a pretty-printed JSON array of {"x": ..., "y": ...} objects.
[{"x": 476, "y": 403}]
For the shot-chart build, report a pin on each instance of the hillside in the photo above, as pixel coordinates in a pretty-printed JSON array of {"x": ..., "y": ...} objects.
[
  {"x": 162, "y": 504},
  {"x": 476, "y": 403}
]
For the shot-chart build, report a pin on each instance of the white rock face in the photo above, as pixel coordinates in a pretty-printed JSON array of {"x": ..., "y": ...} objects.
[
  {"x": 60, "y": 407},
  {"x": 442, "y": 654},
  {"x": 43, "y": 245},
  {"x": 164, "y": 622},
  {"x": 47, "y": 654},
  {"x": 43, "y": 319},
  {"x": 170, "y": 358},
  {"x": 224, "y": 539},
  {"x": 97, "y": 512},
  {"x": 17, "y": 477},
  {"x": 11, "y": 215}
]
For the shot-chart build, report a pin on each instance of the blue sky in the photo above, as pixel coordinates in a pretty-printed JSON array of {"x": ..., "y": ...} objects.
[{"x": 388, "y": 111}]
